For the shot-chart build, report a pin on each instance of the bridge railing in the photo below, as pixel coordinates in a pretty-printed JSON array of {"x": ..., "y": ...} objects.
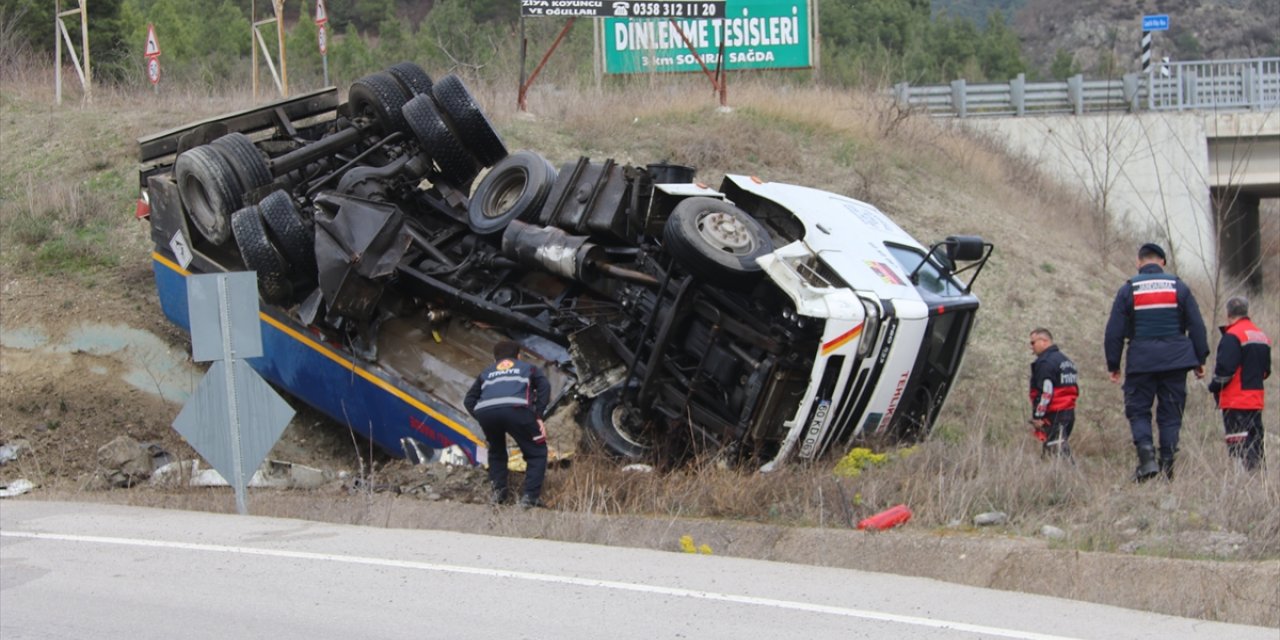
[{"x": 1218, "y": 84}]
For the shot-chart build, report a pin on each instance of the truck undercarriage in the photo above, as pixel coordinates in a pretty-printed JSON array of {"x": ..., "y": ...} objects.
[{"x": 684, "y": 319}]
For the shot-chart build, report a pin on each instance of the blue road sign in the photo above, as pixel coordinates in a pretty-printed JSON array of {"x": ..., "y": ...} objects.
[{"x": 1155, "y": 23}]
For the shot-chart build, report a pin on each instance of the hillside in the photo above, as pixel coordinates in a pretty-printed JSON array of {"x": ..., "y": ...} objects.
[
  {"x": 1103, "y": 33},
  {"x": 73, "y": 256}
]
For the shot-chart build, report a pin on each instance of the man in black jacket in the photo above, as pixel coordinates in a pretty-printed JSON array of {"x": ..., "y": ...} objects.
[
  {"x": 509, "y": 398},
  {"x": 1054, "y": 389},
  {"x": 1155, "y": 313}
]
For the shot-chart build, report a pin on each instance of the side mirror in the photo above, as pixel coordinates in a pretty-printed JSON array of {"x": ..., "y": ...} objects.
[
  {"x": 964, "y": 248},
  {"x": 956, "y": 249}
]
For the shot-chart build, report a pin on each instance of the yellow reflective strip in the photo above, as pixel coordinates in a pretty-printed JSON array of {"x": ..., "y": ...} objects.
[
  {"x": 155, "y": 255},
  {"x": 346, "y": 364},
  {"x": 378, "y": 382}
]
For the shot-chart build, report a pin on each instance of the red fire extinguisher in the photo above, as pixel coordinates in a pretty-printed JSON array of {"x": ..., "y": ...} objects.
[{"x": 891, "y": 517}]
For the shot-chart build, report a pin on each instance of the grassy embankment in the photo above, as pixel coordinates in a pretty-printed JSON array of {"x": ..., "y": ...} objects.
[{"x": 68, "y": 182}]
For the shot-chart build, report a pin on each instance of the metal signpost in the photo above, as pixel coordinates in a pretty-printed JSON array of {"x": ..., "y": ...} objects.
[
  {"x": 1158, "y": 22},
  {"x": 322, "y": 37},
  {"x": 151, "y": 57},
  {"x": 234, "y": 417}
]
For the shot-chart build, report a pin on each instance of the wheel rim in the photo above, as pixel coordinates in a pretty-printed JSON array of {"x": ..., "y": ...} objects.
[
  {"x": 367, "y": 111},
  {"x": 622, "y": 423},
  {"x": 725, "y": 232},
  {"x": 505, "y": 195}
]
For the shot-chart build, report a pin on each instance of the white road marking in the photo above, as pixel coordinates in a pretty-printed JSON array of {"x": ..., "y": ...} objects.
[{"x": 553, "y": 579}]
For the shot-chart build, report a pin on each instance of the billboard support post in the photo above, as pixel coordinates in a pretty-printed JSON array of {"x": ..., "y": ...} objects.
[
  {"x": 281, "y": 77},
  {"x": 524, "y": 50},
  {"x": 521, "y": 99},
  {"x": 717, "y": 79},
  {"x": 60, "y": 34}
]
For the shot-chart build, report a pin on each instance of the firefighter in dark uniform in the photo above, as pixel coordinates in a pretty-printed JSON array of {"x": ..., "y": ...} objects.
[
  {"x": 509, "y": 398},
  {"x": 1243, "y": 362},
  {"x": 1054, "y": 389},
  {"x": 1156, "y": 314}
]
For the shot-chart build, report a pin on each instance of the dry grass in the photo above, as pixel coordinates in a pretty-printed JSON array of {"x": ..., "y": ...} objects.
[
  {"x": 1212, "y": 509},
  {"x": 72, "y": 182}
]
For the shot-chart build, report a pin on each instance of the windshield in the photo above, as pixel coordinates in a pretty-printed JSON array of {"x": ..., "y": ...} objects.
[{"x": 930, "y": 278}]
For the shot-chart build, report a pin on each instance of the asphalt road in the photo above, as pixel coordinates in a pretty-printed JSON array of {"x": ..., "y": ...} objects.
[{"x": 70, "y": 570}]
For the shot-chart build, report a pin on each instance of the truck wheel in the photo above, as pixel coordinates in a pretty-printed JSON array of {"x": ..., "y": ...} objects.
[
  {"x": 261, "y": 256},
  {"x": 288, "y": 231},
  {"x": 716, "y": 241},
  {"x": 379, "y": 97},
  {"x": 514, "y": 189},
  {"x": 457, "y": 166},
  {"x": 475, "y": 129},
  {"x": 246, "y": 161},
  {"x": 614, "y": 427},
  {"x": 410, "y": 76},
  {"x": 209, "y": 190}
]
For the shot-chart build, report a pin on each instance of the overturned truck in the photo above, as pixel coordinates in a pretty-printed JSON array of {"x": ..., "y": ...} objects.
[{"x": 758, "y": 321}]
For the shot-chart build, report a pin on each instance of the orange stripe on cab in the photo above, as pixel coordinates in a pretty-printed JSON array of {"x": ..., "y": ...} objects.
[{"x": 842, "y": 340}]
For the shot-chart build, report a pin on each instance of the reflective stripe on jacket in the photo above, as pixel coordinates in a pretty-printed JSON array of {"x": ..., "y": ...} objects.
[
  {"x": 1156, "y": 314},
  {"x": 1244, "y": 360},
  {"x": 1053, "y": 383},
  {"x": 509, "y": 383}
]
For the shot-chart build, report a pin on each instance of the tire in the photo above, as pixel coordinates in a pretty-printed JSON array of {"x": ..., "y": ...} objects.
[
  {"x": 514, "y": 189},
  {"x": 287, "y": 230},
  {"x": 249, "y": 165},
  {"x": 716, "y": 241},
  {"x": 209, "y": 190},
  {"x": 474, "y": 128},
  {"x": 261, "y": 256},
  {"x": 410, "y": 76},
  {"x": 457, "y": 166},
  {"x": 611, "y": 427},
  {"x": 379, "y": 97}
]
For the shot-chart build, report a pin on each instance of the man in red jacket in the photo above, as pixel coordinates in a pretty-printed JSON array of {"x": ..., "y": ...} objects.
[
  {"x": 1244, "y": 360},
  {"x": 1053, "y": 394}
]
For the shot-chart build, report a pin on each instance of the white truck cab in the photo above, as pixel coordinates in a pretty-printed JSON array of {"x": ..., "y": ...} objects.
[{"x": 895, "y": 320}]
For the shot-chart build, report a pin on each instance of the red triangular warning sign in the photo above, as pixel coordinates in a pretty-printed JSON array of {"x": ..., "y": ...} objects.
[
  {"x": 153, "y": 45},
  {"x": 322, "y": 16}
]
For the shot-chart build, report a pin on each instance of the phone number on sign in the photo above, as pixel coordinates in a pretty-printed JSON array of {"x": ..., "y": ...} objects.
[{"x": 673, "y": 9}]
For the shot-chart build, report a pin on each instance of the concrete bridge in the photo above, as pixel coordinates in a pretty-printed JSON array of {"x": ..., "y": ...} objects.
[
  {"x": 1244, "y": 168},
  {"x": 1184, "y": 160}
]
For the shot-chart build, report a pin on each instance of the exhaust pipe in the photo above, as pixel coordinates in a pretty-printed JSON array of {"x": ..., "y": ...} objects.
[{"x": 550, "y": 249}]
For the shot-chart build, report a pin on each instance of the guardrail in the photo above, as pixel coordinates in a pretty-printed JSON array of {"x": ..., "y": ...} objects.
[{"x": 1208, "y": 84}]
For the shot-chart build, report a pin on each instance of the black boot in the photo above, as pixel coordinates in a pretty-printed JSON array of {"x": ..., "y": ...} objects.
[
  {"x": 1147, "y": 466},
  {"x": 1166, "y": 466},
  {"x": 499, "y": 496},
  {"x": 1057, "y": 449}
]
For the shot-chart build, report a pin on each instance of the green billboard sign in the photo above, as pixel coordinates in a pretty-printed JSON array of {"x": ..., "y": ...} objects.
[{"x": 756, "y": 34}]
